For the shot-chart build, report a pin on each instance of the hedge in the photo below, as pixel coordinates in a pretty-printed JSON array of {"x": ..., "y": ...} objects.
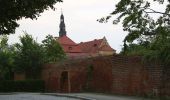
[{"x": 22, "y": 86}]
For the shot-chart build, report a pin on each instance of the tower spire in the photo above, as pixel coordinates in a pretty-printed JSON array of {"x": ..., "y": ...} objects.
[{"x": 62, "y": 31}]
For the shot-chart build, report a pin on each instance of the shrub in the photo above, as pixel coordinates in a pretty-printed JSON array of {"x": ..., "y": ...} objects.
[{"x": 22, "y": 86}]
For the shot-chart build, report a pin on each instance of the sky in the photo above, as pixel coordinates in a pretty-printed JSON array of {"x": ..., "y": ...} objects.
[{"x": 81, "y": 23}]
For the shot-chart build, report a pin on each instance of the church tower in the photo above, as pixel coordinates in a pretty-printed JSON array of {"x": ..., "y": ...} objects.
[{"x": 62, "y": 31}]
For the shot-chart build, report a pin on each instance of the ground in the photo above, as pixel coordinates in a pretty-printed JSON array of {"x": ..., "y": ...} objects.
[
  {"x": 31, "y": 96},
  {"x": 56, "y": 96},
  {"x": 97, "y": 96}
]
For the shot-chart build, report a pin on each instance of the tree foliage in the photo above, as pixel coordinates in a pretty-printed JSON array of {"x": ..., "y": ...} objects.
[
  {"x": 53, "y": 50},
  {"x": 135, "y": 49},
  {"x": 145, "y": 25},
  {"x": 6, "y": 59},
  {"x": 138, "y": 19},
  {"x": 159, "y": 49},
  {"x": 29, "y": 56},
  {"x": 13, "y": 10}
]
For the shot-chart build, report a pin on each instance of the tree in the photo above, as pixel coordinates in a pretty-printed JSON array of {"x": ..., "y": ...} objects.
[
  {"x": 144, "y": 25},
  {"x": 6, "y": 59},
  {"x": 135, "y": 49},
  {"x": 148, "y": 32},
  {"x": 13, "y": 10},
  {"x": 29, "y": 56},
  {"x": 53, "y": 50},
  {"x": 138, "y": 21}
]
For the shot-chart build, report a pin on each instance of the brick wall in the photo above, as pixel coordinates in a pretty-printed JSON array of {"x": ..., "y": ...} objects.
[
  {"x": 101, "y": 79},
  {"x": 165, "y": 86},
  {"x": 19, "y": 76},
  {"x": 132, "y": 77},
  {"x": 114, "y": 74}
]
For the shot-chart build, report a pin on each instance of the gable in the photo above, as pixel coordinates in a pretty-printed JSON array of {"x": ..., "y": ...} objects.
[{"x": 104, "y": 46}]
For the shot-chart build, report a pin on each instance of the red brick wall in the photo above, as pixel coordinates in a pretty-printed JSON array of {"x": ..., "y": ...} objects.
[
  {"x": 19, "y": 76},
  {"x": 51, "y": 76},
  {"x": 77, "y": 69},
  {"x": 132, "y": 77},
  {"x": 114, "y": 74},
  {"x": 102, "y": 80},
  {"x": 165, "y": 88}
]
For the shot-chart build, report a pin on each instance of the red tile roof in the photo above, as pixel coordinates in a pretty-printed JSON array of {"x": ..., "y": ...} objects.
[
  {"x": 65, "y": 40},
  {"x": 89, "y": 47},
  {"x": 71, "y": 48},
  {"x": 68, "y": 45}
]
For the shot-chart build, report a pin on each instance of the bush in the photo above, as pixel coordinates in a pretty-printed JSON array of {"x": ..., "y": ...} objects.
[{"x": 22, "y": 86}]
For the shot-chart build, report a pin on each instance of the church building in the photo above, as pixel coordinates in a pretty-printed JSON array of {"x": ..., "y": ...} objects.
[{"x": 96, "y": 47}]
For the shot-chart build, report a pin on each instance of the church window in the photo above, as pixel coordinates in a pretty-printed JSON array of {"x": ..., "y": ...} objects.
[
  {"x": 95, "y": 45},
  {"x": 70, "y": 48}
]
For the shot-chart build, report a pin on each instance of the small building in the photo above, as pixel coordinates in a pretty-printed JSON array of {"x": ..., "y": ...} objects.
[{"x": 96, "y": 47}]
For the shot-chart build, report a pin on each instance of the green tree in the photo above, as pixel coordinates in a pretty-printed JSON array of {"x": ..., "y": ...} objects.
[
  {"x": 144, "y": 25},
  {"x": 137, "y": 17},
  {"x": 53, "y": 50},
  {"x": 6, "y": 59},
  {"x": 13, "y": 10},
  {"x": 29, "y": 56},
  {"x": 135, "y": 49},
  {"x": 148, "y": 32}
]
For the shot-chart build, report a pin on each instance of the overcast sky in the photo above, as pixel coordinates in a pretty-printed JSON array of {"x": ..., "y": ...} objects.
[{"x": 80, "y": 19}]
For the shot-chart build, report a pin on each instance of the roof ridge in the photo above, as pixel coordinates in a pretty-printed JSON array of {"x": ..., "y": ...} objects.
[{"x": 91, "y": 41}]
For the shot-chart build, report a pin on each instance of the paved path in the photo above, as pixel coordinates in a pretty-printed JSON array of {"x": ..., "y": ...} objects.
[
  {"x": 32, "y": 96},
  {"x": 105, "y": 97},
  {"x": 70, "y": 96}
]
